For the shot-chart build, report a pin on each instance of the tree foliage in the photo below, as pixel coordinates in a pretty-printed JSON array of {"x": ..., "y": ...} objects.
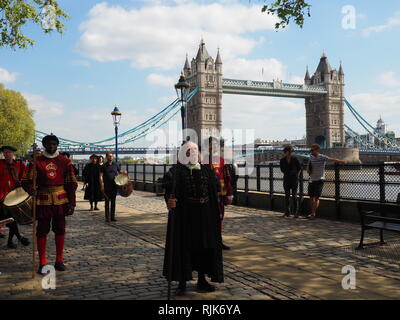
[
  {"x": 15, "y": 14},
  {"x": 287, "y": 10},
  {"x": 17, "y": 127}
]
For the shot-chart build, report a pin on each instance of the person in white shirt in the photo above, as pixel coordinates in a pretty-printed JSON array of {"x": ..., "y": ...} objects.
[{"x": 316, "y": 170}]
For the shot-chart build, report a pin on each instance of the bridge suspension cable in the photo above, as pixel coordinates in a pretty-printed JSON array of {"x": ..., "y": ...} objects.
[
  {"x": 372, "y": 131},
  {"x": 140, "y": 131}
]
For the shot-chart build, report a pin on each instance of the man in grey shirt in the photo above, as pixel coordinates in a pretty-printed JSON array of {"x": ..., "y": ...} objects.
[{"x": 316, "y": 170}]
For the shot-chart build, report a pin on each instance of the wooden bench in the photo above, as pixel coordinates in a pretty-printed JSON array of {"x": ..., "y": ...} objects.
[{"x": 378, "y": 216}]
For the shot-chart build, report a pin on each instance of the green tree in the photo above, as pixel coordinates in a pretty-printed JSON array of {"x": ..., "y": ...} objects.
[
  {"x": 15, "y": 14},
  {"x": 17, "y": 127},
  {"x": 287, "y": 10}
]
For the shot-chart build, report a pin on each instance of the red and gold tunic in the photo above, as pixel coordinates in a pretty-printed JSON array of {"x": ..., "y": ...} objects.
[
  {"x": 56, "y": 185},
  {"x": 224, "y": 177},
  {"x": 7, "y": 182}
]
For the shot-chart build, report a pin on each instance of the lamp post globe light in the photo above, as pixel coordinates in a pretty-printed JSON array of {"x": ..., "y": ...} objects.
[
  {"x": 182, "y": 91},
  {"x": 116, "y": 115}
]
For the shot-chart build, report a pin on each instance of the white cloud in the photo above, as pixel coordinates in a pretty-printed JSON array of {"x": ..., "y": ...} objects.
[
  {"x": 160, "y": 80},
  {"x": 43, "y": 107},
  {"x": 159, "y": 36},
  {"x": 390, "y": 24},
  {"x": 389, "y": 79},
  {"x": 6, "y": 76}
]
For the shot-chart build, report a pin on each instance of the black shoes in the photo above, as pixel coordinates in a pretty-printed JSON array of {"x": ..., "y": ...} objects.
[
  {"x": 11, "y": 245},
  {"x": 59, "y": 266},
  {"x": 96, "y": 209},
  {"x": 225, "y": 247},
  {"x": 40, "y": 269},
  {"x": 113, "y": 219},
  {"x": 204, "y": 286},
  {"x": 181, "y": 290},
  {"x": 24, "y": 241}
]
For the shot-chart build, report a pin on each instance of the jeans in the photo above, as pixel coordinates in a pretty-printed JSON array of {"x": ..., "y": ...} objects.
[
  {"x": 110, "y": 196},
  {"x": 290, "y": 187}
]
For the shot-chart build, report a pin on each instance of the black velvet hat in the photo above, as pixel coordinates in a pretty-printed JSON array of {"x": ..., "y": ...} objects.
[
  {"x": 8, "y": 148},
  {"x": 50, "y": 137}
]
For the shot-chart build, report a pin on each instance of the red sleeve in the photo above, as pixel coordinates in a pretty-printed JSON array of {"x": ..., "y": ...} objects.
[{"x": 70, "y": 183}]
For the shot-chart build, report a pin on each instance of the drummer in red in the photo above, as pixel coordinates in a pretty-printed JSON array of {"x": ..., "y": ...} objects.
[
  {"x": 56, "y": 199},
  {"x": 11, "y": 173},
  {"x": 223, "y": 174}
]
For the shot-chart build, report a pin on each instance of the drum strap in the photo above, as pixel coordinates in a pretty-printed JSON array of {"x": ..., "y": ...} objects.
[{"x": 14, "y": 174}]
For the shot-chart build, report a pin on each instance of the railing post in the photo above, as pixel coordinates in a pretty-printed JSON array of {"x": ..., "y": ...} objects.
[
  {"x": 154, "y": 178},
  {"x": 258, "y": 177},
  {"x": 246, "y": 189},
  {"x": 382, "y": 197},
  {"x": 144, "y": 176},
  {"x": 271, "y": 186},
  {"x": 235, "y": 199},
  {"x": 164, "y": 169},
  {"x": 135, "y": 172},
  {"x": 337, "y": 191}
]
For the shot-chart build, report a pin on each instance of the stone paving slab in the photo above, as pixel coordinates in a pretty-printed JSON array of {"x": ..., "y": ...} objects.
[{"x": 271, "y": 258}]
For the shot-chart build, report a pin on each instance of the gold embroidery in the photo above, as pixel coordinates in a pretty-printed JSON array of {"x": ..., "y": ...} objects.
[{"x": 53, "y": 195}]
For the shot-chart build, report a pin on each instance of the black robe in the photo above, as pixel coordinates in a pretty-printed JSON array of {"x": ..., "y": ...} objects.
[
  {"x": 193, "y": 226},
  {"x": 91, "y": 176}
]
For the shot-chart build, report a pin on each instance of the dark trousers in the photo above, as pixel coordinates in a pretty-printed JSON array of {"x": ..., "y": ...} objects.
[
  {"x": 290, "y": 187},
  {"x": 110, "y": 197},
  {"x": 13, "y": 226},
  {"x": 14, "y": 231},
  {"x": 57, "y": 225}
]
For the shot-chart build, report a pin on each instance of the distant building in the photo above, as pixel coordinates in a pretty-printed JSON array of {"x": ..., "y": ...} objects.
[{"x": 277, "y": 144}]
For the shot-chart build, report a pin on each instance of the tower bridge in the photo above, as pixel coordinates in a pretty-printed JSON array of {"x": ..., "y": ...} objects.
[{"x": 323, "y": 93}]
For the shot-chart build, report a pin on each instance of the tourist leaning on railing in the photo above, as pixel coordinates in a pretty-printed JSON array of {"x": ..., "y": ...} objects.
[{"x": 316, "y": 170}]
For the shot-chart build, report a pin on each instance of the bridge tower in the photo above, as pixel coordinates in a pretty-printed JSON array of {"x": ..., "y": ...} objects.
[
  {"x": 204, "y": 111},
  {"x": 325, "y": 113}
]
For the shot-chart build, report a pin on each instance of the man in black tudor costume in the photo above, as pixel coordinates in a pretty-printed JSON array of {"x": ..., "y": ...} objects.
[
  {"x": 195, "y": 233},
  {"x": 91, "y": 179}
]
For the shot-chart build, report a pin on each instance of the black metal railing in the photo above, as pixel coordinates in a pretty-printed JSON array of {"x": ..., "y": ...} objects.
[{"x": 370, "y": 182}]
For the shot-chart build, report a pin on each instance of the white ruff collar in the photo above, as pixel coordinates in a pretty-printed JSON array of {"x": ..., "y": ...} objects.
[
  {"x": 50, "y": 156},
  {"x": 193, "y": 166}
]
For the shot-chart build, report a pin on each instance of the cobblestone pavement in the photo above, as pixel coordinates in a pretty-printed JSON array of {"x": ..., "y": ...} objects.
[{"x": 123, "y": 260}]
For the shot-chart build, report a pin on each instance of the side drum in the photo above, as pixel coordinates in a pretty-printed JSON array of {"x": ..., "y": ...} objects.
[
  {"x": 124, "y": 184},
  {"x": 18, "y": 205}
]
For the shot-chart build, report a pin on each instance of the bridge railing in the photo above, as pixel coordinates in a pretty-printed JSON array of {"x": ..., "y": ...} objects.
[{"x": 366, "y": 182}]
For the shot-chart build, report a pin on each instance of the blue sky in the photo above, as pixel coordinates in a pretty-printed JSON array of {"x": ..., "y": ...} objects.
[{"x": 130, "y": 53}]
